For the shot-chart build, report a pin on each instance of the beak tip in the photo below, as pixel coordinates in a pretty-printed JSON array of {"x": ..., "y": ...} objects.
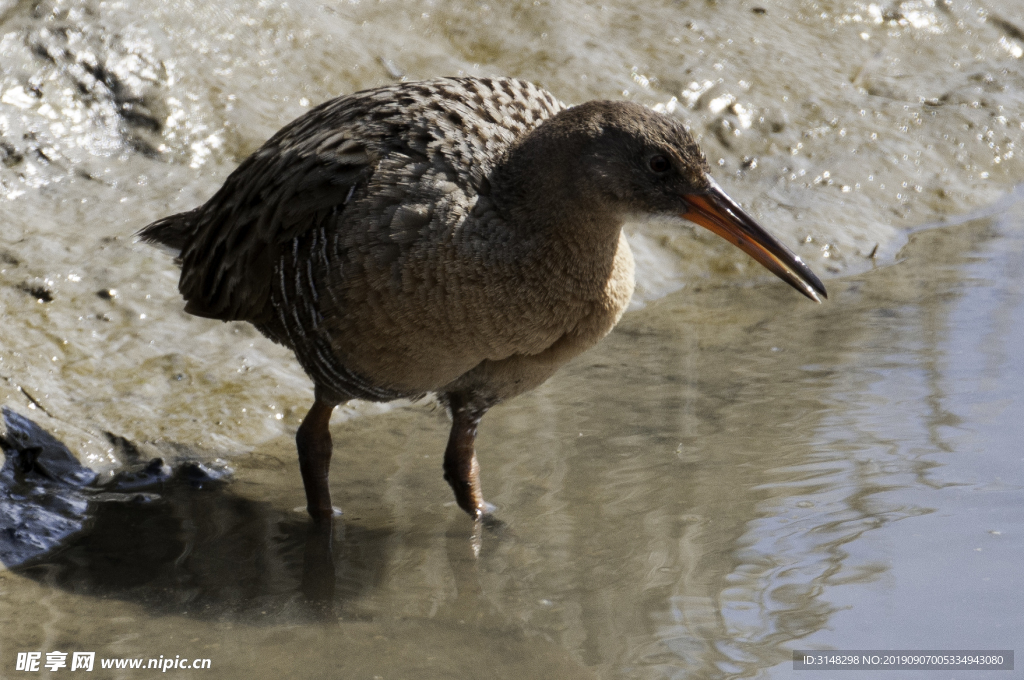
[{"x": 715, "y": 211}]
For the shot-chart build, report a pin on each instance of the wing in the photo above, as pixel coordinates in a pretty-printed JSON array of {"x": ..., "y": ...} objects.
[
  {"x": 306, "y": 175},
  {"x": 290, "y": 185}
]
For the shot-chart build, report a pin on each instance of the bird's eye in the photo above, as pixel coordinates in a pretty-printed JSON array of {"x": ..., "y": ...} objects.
[{"x": 659, "y": 164}]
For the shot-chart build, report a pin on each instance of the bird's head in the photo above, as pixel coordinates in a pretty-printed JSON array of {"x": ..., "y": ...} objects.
[{"x": 625, "y": 160}]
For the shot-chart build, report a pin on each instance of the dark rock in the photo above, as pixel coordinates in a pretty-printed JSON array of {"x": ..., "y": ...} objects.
[
  {"x": 32, "y": 450},
  {"x": 152, "y": 473},
  {"x": 42, "y": 501},
  {"x": 47, "y": 496},
  {"x": 201, "y": 474}
]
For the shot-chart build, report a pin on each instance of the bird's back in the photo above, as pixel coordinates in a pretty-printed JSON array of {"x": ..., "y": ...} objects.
[{"x": 353, "y": 163}]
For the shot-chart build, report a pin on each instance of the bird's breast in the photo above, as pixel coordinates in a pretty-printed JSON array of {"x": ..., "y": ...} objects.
[{"x": 417, "y": 317}]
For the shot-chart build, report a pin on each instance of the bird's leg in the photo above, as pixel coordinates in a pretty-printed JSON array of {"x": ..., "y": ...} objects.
[
  {"x": 314, "y": 443},
  {"x": 461, "y": 469}
]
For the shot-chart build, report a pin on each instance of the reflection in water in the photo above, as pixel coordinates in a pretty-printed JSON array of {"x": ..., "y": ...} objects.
[
  {"x": 205, "y": 553},
  {"x": 217, "y": 558},
  {"x": 694, "y": 499}
]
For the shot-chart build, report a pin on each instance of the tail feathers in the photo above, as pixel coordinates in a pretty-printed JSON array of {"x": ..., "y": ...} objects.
[{"x": 171, "y": 233}]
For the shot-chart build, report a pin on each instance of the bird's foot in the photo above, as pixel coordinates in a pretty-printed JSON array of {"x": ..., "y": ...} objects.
[
  {"x": 482, "y": 512},
  {"x": 468, "y": 497},
  {"x": 320, "y": 514}
]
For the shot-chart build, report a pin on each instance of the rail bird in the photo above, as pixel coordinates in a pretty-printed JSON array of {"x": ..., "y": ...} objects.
[{"x": 460, "y": 237}]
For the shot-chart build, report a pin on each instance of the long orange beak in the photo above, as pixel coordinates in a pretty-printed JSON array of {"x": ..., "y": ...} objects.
[{"x": 720, "y": 214}]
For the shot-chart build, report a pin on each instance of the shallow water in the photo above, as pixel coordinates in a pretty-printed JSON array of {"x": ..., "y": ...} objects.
[{"x": 734, "y": 473}]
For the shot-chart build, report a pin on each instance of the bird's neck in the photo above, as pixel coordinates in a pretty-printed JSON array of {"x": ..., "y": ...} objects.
[{"x": 548, "y": 206}]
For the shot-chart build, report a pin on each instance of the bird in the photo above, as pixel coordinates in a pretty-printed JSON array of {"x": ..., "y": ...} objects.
[{"x": 458, "y": 237}]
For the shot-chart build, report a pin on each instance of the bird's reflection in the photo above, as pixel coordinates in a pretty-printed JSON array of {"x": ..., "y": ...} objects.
[
  {"x": 318, "y": 573},
  {"x": 210, "y": 553},
  {"x": 180, "y": 540}
]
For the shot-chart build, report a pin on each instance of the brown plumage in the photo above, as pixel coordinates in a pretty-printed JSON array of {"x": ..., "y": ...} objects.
[{"x": 458, "y": 236}]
